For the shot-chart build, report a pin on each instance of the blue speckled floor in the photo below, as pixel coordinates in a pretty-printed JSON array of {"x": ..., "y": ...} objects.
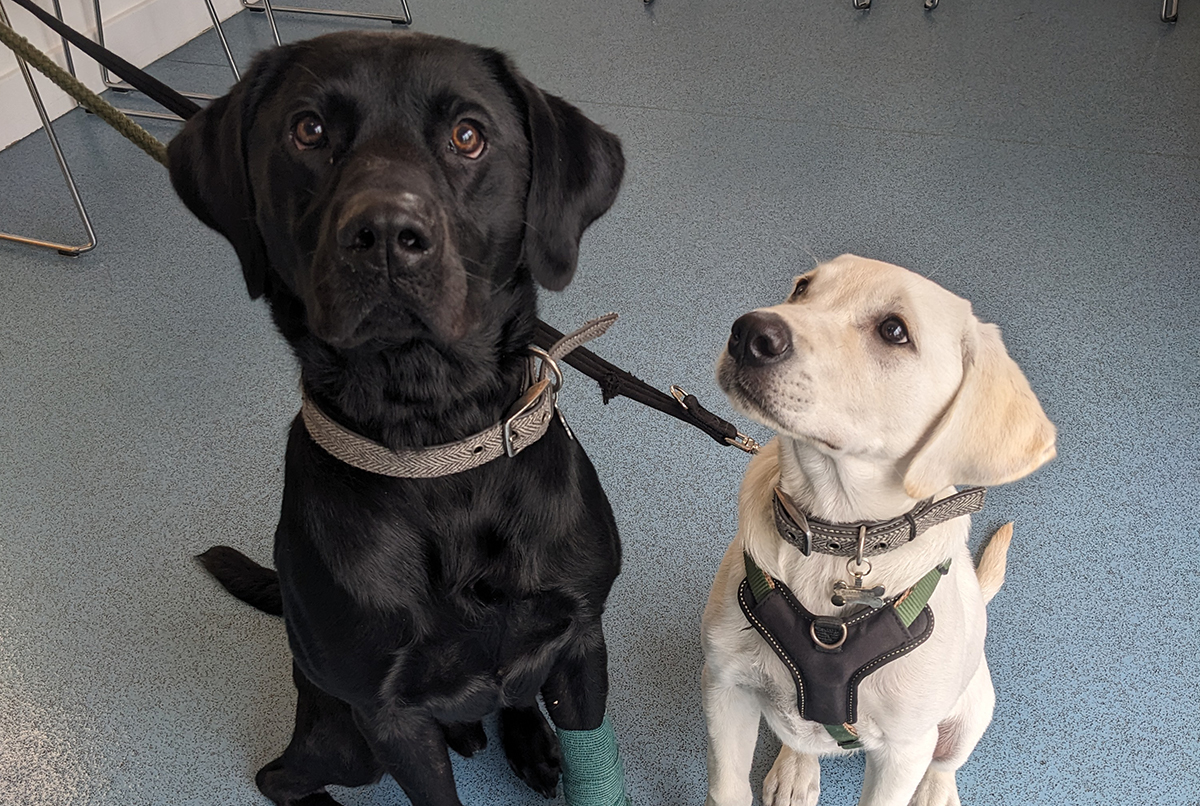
[{"x": 1041, "y": 157}]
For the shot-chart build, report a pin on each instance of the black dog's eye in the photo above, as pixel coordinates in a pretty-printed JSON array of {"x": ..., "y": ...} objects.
[
  {"x": 801, "y": 287},
  {"x": 309, "y": 132},
  {"x": 894, "y": 330},
  {"x": 466, "y": 139}
]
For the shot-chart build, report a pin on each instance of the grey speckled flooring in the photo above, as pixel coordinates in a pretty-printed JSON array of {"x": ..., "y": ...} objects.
[{"x": 1040, "y": 157}]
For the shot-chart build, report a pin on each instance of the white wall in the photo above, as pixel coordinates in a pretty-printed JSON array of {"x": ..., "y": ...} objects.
[{"x": 139, "y": 30}]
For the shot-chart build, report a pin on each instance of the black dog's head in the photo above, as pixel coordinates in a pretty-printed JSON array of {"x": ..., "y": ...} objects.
[{"x": 391, "y": 183}]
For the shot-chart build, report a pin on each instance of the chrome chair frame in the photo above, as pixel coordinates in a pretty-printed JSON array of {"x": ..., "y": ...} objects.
[
  {"x": 264, "y": 5},
  {"x": 121, "y": 86},
  {"x": 63, "y": 249}
]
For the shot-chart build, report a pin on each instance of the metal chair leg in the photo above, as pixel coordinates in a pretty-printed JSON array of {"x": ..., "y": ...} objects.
[
  {"x": 63, "y": 249},
  {"x": 264, "y": 5},
  {"x": 121, "y": 86},
  {"x": 865, "y": 5},
  {"x": 1170, "y": 11}
]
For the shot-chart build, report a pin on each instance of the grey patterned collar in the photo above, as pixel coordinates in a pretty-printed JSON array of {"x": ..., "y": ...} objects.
[
  {"x": 876, "y": 537},
  {"x": 526, "y": 422}
]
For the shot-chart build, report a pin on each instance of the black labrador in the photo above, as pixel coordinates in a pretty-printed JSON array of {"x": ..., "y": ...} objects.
[{"x": 396, "y": 197}]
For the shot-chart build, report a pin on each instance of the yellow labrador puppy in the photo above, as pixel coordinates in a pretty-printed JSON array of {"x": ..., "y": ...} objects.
[{"x": 847, "y": 610}]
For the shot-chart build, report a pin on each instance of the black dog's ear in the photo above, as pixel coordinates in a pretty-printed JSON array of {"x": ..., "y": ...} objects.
[
  {"x": 207, "y": 160},
  {"x": 576, "y": 169}
]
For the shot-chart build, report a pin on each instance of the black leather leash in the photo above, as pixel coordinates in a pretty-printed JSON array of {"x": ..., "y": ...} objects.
[{"x": 614, "y": 381}]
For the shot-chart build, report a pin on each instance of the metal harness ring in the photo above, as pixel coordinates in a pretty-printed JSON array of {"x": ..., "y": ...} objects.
[{"x": 812, "y": 631}]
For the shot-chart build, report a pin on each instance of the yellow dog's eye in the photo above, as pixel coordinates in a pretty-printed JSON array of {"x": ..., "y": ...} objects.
[
  {"x": 893, "y": 330},
  {"x": 466, "y": 139},
  {"x": 801, "y": 287},
  {"x": 309, "y": 132}
]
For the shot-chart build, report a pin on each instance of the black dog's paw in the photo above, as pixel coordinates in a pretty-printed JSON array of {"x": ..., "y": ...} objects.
[
  {"x": 465, "y": 738},
  {"x": 280, "y": 784},
  {"x": 317, "y": 799},
  {"x": 531, "y": 748}
]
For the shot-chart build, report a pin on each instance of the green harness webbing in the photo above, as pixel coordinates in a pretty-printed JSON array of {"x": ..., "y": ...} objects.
[
  {"x": 907, "y": 606},
  {"x": 913, "y": 601}
]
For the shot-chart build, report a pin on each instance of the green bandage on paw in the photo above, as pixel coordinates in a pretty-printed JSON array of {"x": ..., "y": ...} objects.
[{"x": 592, "y": 771}]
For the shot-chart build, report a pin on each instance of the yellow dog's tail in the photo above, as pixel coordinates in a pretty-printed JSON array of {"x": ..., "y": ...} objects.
[{"x": 994, "y": 561}]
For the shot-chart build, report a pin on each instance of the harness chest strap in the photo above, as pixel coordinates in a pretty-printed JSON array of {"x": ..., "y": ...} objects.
[{"x": 827, "y": 673}]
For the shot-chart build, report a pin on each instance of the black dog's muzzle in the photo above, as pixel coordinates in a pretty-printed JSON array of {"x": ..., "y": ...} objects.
[
  {"x": 386, "y": 257},
  {"x": 387, "y": 231}
]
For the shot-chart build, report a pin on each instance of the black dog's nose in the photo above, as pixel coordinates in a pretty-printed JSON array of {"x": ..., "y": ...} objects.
[
  {"x": 386, "y": 230},
  {"x": 759, "y": 338}
]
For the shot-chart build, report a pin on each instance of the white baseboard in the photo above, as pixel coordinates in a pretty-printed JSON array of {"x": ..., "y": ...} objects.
[{"x": 141, "y": 33}]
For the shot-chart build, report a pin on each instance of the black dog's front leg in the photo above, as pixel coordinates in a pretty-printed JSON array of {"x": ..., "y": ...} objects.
[
  {"x": 410, "y": 744},
  {"x": 531, "y": 748},
  {"x": 576, "y": 692}
]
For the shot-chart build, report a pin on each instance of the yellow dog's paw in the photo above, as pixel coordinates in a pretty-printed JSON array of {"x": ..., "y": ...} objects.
[
  {"x": 937, "y": 788},
  {"x": 794, "y": 780}
]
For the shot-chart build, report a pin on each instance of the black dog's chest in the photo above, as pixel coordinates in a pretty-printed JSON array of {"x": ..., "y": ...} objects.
[
  {"x": 480, "y": 646},
  {"x": 500, "y": 655},
  {"x": 455, "y": 593}
]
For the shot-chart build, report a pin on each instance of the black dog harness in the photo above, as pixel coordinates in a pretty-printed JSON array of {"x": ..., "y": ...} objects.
[{"x": 829, "y": 656}]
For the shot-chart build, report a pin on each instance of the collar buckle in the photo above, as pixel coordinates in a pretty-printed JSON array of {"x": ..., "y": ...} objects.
[
  {"x": 548, "y": 379},
  {"x": 524, "y": 405},
  {"x": 798, "y": 518}
]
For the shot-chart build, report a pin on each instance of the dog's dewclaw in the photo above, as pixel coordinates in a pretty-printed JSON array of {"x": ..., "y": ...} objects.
[{"x": 994, "y": 561}]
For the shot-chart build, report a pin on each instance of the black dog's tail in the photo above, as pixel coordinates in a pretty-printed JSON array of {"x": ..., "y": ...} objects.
[{"x": 247, "y": 580}]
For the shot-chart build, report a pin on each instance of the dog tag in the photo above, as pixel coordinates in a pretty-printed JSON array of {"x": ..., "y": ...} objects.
[{"x": 844, "y": 594}]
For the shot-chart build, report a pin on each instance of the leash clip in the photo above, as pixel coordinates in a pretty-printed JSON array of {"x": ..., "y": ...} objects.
[
  {"x": 746, "y": 443},
  {"x": 742, "y": 441}
]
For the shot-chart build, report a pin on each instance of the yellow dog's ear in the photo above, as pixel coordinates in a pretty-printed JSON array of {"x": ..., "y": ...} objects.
[{"x": 994, "y": 430}]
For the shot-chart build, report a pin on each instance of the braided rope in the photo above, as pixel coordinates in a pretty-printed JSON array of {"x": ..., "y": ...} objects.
[{"x": 24, "y": 49}]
